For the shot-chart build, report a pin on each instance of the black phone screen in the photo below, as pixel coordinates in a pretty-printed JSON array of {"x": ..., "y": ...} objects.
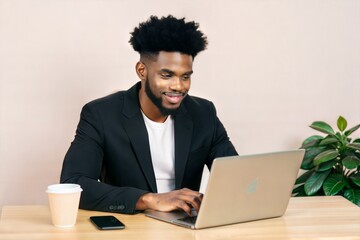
[{"x": 107, "y": 222}]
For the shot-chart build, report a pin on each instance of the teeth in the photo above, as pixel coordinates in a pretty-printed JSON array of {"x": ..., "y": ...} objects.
[{"x": 174, "y": 94}]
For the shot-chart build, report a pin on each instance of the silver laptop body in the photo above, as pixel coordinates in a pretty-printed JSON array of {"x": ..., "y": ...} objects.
[{"x": 243, "y": 188}]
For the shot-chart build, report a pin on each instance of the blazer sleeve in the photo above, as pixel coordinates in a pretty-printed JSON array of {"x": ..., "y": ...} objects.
[
  {"x": 221, "y": 145},
  {"x": 83, "y": 165}
]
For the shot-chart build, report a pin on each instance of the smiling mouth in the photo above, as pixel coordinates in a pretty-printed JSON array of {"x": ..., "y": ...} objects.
[
  {"x": 174, "y": 94},
  {"x": 174, "y": 97}
]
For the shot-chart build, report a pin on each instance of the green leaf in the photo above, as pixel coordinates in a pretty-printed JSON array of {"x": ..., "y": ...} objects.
[
  {"x": 326, "y": 166},
  {"x": 314, "y": 183},
  {"x": 356, "y": 140},
  {"x": 351, "y": 162},
  {"x": 353, "y": 195},
  {"x": 299, "y": 191},
  {"x": 302, "y": 179},
  {"x": 333, "y": 184},
  {"x": 311, "y": 141},
  {"x": 351, "y": 130},
  {"x": 309, "y": 156},
  {"x": 341, "y": 123},
  {"x": 329, "y": 140},
  {"x": 322, "y": 127},
  {"x": 325, "y": 156},
  {"x": 339, "y": 136},
  {"x": 356, "y": 178},
  {"x": 353, "y": 145}
]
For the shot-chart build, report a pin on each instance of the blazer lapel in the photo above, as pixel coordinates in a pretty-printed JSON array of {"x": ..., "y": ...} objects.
[
  {"x": 136, "y": 130},
  {"x": 183, "y": 135}
]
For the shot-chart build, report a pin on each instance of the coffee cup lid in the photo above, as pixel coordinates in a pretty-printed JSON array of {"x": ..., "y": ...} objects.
[{"x": 64, "y": 188}]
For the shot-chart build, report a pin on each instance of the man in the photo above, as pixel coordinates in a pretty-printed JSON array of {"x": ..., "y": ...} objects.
[{"x": 145, "y": 148}]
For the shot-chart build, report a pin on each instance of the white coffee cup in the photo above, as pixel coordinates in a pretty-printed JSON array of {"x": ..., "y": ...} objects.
[{"x": 64, "y": 203}]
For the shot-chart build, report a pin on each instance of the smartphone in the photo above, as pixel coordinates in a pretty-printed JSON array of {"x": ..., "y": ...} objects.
[{"x": 107, "y": 222}]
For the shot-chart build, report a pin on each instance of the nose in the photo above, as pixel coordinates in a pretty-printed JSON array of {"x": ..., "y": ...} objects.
[{"x": 176, "y": 84}]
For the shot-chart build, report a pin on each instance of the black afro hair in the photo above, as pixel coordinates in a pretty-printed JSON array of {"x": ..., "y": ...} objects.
[{"x": 168, "y": 34}]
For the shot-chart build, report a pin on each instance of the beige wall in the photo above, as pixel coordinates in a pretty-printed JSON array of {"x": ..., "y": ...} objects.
[{"x": 272, "y": 67}]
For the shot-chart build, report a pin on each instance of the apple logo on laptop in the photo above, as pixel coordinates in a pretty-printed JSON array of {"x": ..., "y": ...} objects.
[{"x": 252, "y": 186}]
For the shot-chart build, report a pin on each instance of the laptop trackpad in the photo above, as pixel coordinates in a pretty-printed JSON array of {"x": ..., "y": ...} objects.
[
  {"x": 169, "y": 216},
  {"x": 166, "y": 216}
]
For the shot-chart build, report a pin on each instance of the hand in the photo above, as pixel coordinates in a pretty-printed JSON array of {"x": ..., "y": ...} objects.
[{"x": 184, "y": 199}]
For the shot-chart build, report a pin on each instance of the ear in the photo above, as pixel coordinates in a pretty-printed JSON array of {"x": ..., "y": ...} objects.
[{"x": 141, "y": 70}]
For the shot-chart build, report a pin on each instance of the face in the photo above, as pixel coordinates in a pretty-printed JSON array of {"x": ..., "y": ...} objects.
[{"x": 166, "y": 81}]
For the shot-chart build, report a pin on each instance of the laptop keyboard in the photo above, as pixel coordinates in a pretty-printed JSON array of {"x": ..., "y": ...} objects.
[{"x": 189, "y": 219}]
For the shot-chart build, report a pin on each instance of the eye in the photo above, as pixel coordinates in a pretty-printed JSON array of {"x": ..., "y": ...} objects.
[
  {"x": 185, "y": 77},
  {"x": 165, "y": 75}
]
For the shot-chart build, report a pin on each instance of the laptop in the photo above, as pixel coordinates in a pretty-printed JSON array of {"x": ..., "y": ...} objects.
[{"x": 241, "y": 189}]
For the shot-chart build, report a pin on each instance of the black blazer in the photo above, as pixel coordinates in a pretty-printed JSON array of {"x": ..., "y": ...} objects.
[{"x": 110, "y": 155}]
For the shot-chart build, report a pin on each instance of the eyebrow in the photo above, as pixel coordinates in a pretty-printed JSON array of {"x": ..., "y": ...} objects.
[{"x": 173, "y": 73}]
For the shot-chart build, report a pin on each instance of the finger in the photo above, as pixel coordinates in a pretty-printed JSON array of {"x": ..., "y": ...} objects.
[
  {"x": 193, "y": 202},
  {"x": 193, "y": 199},
  {"x": 185, "y": 207},
  {"x": 187, "y": 191}
]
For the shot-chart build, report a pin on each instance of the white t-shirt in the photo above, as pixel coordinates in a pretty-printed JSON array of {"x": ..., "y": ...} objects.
[{"x": 162, "y": 148}]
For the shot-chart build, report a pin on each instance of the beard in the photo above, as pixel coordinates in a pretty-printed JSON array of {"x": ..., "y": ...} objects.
[{"x": 158, "y": 101}]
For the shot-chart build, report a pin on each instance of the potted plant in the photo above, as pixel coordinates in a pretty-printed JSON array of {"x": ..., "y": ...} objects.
[{"x": 332, "y": 163}]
